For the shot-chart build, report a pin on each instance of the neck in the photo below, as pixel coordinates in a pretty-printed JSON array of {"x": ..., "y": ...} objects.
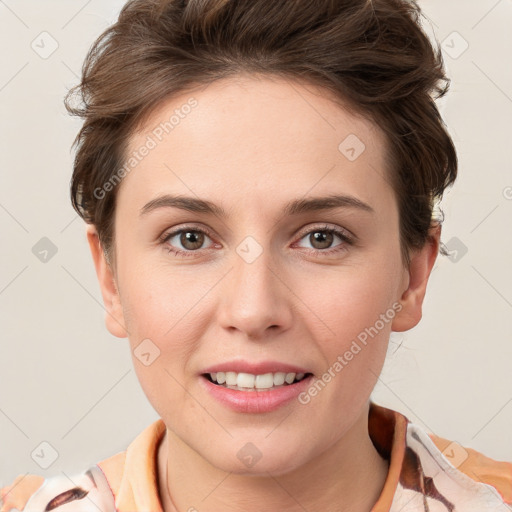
[{"x": 348, "y": 476}]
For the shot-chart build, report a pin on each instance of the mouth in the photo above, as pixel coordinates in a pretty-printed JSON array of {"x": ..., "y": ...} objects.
[{"x": 248, "y": 382}]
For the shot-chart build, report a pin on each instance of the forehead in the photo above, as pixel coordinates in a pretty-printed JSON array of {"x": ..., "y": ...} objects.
[{"x": 243, "y": 134}]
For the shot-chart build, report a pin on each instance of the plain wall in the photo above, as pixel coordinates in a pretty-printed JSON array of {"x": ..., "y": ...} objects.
[{"x": 66, "y": 381}]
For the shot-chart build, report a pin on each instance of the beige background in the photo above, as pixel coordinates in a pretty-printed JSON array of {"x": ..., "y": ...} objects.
[{"x": 64, "y": 380}]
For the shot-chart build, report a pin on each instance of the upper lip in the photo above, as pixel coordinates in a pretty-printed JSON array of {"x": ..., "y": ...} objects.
[{"x": 255, "y": 368}]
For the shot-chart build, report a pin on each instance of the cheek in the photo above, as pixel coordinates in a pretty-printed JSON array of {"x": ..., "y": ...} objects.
[
  {"x": 164, "y": 328},
  {"x": 359, "y": 311},
  {"x": 349, "y": 301},
  {"x": 355, "y": 314},
  {"x": 157, "y": 300},
  {"x": 166, "y": 314}
]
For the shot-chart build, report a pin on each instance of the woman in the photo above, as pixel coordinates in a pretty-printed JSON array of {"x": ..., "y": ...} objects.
[{"x": 259, "y": 179}]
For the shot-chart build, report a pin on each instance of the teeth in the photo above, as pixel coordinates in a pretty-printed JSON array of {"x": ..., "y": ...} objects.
[
  {"x": 230, "y": 378},
  {"x": 265, "y": 381},
  {"x": 245, "y": 380},
  {"x": 279, "y": 378},
  {"x": 249, "y": 381},
  {"x": 290, "y": 377}
]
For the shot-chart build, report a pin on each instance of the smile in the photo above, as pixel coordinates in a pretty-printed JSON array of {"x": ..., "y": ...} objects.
[{"x": 250, "y": 382}]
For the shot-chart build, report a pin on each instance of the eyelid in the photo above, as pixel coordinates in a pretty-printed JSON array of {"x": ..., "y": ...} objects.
[
  {"x": 167, "y": 235},
  {"x": 344, "y": 233}
]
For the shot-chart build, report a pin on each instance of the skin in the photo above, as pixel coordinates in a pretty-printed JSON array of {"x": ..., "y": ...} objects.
[{"x": 292, "y": 304}]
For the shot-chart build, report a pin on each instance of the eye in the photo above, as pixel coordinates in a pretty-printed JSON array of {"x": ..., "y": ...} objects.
[
  {"x": 185, "y": 240},
  {"x": 322, "y": 239}
]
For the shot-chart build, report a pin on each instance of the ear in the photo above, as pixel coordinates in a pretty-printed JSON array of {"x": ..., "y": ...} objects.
[
  {"x": 114, "y": 318},
  {"x": 421, "y": 264}
]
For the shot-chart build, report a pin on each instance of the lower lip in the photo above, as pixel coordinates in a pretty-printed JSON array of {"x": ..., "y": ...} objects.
[{"x": 256, "y": 401}]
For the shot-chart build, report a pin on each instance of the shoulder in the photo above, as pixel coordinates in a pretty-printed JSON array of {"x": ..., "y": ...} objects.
[
  {"x": 452, "y": 475},
  {"x": 477, "y": 466},
  {"x": 96, "y": 489},
  {"x": 15, "y": 495},
  {"x": 86, "y": 491}
]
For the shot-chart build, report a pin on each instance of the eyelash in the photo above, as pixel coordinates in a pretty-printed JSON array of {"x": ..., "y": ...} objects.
[{"x": 342, "y": 234}]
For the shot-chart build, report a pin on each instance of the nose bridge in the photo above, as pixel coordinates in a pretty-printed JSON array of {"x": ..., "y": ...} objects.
[{"x": 254, "y": 297}]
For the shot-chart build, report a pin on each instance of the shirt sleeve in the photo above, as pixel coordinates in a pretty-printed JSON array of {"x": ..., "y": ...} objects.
[
  {"x": 16, "y": 495},
  {"x": 87, "y": 491},
  {"x": 478, "y": 466}
]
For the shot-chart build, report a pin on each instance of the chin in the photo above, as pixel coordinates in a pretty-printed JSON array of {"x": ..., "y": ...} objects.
[{"x": 249, "y": 459}]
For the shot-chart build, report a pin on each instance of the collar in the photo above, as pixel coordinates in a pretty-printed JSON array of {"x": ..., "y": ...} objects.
[{"x": 132, "y": 475}]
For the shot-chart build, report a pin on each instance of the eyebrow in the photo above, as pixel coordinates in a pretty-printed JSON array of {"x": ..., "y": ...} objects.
[{"x": 294, "y": 207}]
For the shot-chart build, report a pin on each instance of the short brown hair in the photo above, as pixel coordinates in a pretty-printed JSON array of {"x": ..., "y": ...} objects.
[{"x": 372, "y": 54}]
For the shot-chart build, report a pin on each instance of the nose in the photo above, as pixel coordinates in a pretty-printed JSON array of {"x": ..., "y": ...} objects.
[{"x": 255, "y": 298}]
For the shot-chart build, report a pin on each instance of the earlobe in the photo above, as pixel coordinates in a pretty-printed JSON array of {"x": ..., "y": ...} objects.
[
  {"x": 421, "y": 264},
  {"x": 114, "y": 318}
]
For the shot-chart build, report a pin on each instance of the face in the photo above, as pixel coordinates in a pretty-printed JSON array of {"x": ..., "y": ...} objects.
[{"x": 227, "y": 260}]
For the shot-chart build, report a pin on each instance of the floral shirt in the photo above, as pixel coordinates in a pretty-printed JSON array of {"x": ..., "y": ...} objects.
[{"x": 426, "y": 474}]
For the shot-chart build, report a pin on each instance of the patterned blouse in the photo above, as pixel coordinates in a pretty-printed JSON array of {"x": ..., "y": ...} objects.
[{"x": 426, "y": 474}]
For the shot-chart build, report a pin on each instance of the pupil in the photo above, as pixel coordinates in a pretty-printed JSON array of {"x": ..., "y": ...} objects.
[
  {"x": 323, "y": 238},
  {"x": 192, "y": 239}
]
